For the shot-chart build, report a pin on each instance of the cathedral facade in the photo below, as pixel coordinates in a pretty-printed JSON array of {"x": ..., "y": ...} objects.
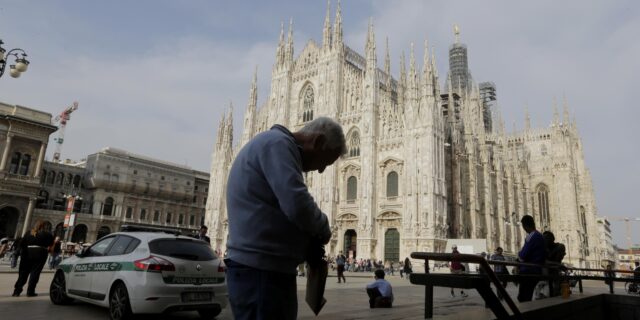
[{"x": 424, "y": 163}]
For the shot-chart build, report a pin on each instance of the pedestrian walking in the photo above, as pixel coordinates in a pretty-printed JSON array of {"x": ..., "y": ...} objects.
[
  {"x": 456, "y": 267},
  {"x": 340, "y": 261},
  {"x": 274, "y": 223},
  {"x": 500, "y": 269},
  {"x": 32, "y": 258},
  {"x": 55, "y": 250}
]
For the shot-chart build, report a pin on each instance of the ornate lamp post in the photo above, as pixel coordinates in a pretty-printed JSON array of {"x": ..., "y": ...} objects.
[{"x": 21, "y": 63}]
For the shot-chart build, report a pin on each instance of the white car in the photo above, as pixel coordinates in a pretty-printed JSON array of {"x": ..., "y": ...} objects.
[{"x": 144, "y": 272}]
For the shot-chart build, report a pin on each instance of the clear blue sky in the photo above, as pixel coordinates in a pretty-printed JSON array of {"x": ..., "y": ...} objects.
[{"x": 154, "y": 77}]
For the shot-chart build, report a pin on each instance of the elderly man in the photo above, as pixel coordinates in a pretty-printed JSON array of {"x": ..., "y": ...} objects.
[{"x": 273, "y": 218}]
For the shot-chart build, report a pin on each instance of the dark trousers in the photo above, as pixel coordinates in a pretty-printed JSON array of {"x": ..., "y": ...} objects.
[
  {"x": 526, "y": 288},
  {"x": 256, "y": 294},
  {"x": 31, "y": 265},
  {"x": 341, "y": 273},
  {"x": 376, "y": 300}
]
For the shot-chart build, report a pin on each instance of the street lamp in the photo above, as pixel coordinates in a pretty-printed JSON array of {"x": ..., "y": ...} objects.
[{"x": 21, "y": 63}]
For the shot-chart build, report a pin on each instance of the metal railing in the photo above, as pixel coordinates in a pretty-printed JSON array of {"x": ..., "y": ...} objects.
[{"x": 481, "y": 281}]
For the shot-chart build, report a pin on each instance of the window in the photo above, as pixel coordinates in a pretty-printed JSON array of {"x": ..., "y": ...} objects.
[
  {"x": 195, "y": 199},
  {"x": 204, "y": 201},
  {"x": 168, "y": 217},
  {"x": 76, "y": 181},
  {"x": 354, "y": 144},
  {"x": 206, "y": 189},
  {"x": 195, "y": 188},
  {"x": 307, "y": 104},
  {"x": 60, "y": 178},
  {"x": 51, "y": 177},
  {"x": 543, "y": 205},
  {"x": 24, "y": 164},
  {"x": 392, "y": 184},
  {"x": 543, "y": 150},
  {"x": 129, "y": 213},
  {"x": 189, "y": 249},
  {"x": 181, "y": 219},
  {"x": 202, "y": 220},
  {"x": 156, "y": 216},
  {"x": 15, "y": 162},
  {"x": 120, "y": 246},
  {"x": 352, "y": 188},
  {"x": 135, "y": 171},
  {"x": 192, "y": 220},
  {"x": 69, "y": 180},
  {"x": 108, "y": 207},
  {"x": 143, "y": 214},
  {"x": 100, "y": 247}
]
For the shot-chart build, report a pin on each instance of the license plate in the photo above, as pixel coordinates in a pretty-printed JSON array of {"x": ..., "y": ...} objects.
[{"x": 196, "y": 296}]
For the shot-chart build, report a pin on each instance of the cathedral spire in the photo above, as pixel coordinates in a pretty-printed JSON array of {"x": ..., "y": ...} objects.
[
  {"x": 402, "y": 86},
  {"x": 281, "y": 48},
  {"x": 326, "y": 31},
  {"x": 370, "y": 47},
  {"x": 565, "y": 111},
  {"x": 387, "y": 59},
  {"x": 413, "y": 85},
  {"x": 556, "y": 116},
  {"x": 427, "y": 74},
  {"x": 289, "y": 51},
  {"x": 337, "y": 29},
  {"x": 250, "y": 113},
  {"x": 527, "y": 118},
  {"x": 456, "y": 32}
]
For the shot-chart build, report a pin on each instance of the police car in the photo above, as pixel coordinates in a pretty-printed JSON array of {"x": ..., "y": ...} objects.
[{"x": 138, "y": 271}]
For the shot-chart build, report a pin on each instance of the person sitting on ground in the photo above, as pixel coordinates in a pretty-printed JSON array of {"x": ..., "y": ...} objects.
[{"x": 379, "y": 291}]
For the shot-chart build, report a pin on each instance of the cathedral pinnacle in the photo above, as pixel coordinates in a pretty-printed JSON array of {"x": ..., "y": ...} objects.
[
  {"x": 565, "y": 111},
  {"x": 556, "y": 116},
  {"x": 370, "y": 47},
  {"x": 326, "y": 31},
  {"x": 253, "y": 92},
  {"x": 527, "y": 118},
  {"x": 387, "y": 59},
  {"x": 337, "y": 29},
  {"x": 412, "y": 73},
  {"x": 289, "y": 51},
  {"x": 280, "y": 50}
]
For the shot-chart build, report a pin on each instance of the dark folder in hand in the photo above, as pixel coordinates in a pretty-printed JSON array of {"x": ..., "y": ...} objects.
[{"x": 316, "y": 281}]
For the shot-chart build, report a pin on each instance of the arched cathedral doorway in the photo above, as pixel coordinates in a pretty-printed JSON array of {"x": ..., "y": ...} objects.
[
  {"x": 350, "y": 243},
  {"x": 392, "y": 245}
]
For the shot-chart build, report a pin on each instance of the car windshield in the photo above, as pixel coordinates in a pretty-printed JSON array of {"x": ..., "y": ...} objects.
[{"x": 187, "y": 249}]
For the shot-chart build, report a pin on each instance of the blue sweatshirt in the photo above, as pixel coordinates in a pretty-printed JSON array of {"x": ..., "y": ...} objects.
[
  {"x": 533, "y": 251},
  {"x": 270, "y": 212}
]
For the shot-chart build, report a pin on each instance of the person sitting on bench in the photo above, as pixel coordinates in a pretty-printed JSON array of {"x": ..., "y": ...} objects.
[{"x": 380, "y": 292}]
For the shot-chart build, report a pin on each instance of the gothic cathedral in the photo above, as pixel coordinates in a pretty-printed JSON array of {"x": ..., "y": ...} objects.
[{"x": 424, "y": 163}]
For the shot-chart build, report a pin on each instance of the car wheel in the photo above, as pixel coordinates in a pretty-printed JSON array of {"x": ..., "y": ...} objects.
[
  {"x": 119, "y": 304},
  {"x": 209, "y": 313},
  {"x": 57, "y": 290}
]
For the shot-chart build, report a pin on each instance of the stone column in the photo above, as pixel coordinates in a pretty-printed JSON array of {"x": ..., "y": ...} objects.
[
  {"x": 27, "y": 218},
  {"x": 43, "y": 148},
  {"x": 5, "y": 154}
]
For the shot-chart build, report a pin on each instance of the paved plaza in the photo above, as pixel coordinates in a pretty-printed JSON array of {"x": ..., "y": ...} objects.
[{"x": 344, "y": 301}]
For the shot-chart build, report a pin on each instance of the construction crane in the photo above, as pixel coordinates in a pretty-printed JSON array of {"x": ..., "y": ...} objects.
[{"x": 62, "y": 118}]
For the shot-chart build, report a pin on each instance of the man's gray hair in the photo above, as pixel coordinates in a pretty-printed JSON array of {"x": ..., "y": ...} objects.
[{"x": 331, "y": 130}]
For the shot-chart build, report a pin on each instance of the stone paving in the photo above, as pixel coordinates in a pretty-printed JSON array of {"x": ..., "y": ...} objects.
[{"x": 344, "y": 301}]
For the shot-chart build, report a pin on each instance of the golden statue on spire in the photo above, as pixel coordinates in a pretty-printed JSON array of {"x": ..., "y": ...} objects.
[{"x": 456, "y": 31}]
